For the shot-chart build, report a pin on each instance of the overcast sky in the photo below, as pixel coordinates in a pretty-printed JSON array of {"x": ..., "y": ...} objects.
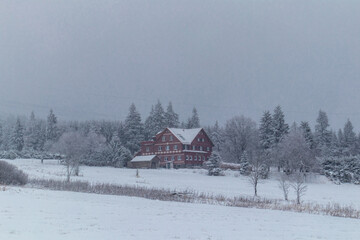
[{"x": 91, "y": 59}]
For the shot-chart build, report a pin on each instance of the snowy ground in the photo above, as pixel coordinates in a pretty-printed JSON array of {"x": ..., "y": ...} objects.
[
  {"x": 320, "y": 190},
  {"x": 28, "y": 214}
]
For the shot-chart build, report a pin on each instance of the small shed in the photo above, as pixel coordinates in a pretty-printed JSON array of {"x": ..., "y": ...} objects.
[{"x": 148, "y": 161}]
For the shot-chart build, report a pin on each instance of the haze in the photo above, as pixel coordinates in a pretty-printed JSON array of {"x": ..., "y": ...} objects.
[{"x": 92, "y": 59}]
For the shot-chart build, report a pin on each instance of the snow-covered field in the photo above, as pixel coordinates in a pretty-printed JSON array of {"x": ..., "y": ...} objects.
[
  {"x": 28, "y": 214},
  {"x": 42, "y": 214},
  {"x": 320, "y": 190}
]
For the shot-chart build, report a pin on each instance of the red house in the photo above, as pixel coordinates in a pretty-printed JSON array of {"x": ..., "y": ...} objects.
[{"x": 176, "y": 147}]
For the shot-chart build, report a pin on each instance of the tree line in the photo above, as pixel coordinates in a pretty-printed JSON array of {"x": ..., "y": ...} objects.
[
  {"x": 271, "y": 143},
  {"x": 93, "y": 142},
  {"x": 290, "y": 149}
]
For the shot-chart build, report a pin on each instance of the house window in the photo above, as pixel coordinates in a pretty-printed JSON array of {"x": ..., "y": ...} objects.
[
  {"x": 198, "y": 139},
  {"x": 203, "y": 158},
  {"x": 147, "y": 149},
  {"x": 187, "y": 157},
  {"x": 160, "y": 148},
  {"x": 208, "y": 149},
  {"x": 179, "y": 157},
  {"x": 195, "y": 158},
  {"x": 193, "y": 148},
  {"x": 203, "y": 139},
  {"x": 175, "y": 147},
  {"x": 172, "y": 158},
  {"x": 167, "y": 148},
  {"x": 171, "y": 138},
  {"x": 190, "y": 158},
  {"x": 201, "y": 148},
  {"x": 186, "y": 147},
  {"x": 165, "y": 158},
  {"x": 163, "y": 138}
]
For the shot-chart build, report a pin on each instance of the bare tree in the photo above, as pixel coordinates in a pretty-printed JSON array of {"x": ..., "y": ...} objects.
[
  {"x": 293, "y": 152},
  {"x": 257, "y": 169},
  {"x": 240, "y": 135},
  {"x": 76, "y": 147},
  {"x": 299, "y": 185},
  {"x": 284, "y": 185},
  {"x": 71, "y": 145}
]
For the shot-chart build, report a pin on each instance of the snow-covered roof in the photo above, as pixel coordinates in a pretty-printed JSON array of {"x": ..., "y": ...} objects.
[
  {"x": 146, "y": 158},
  {"x": 186, "y": 136},
  {"x": 194, "y": 151}
]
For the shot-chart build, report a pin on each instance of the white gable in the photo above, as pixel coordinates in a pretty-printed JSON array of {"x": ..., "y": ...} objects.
[
  {"x": 186, "y": 136},
  {"x": 146, "y": 158}
]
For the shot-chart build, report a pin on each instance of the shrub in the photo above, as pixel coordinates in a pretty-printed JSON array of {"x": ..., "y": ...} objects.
[
  {"x": 215, "y": 172},
  {"x": 11, "y": 175},
  {"x": 213, "y": 164},
  {"x": 342, "y": 169}
]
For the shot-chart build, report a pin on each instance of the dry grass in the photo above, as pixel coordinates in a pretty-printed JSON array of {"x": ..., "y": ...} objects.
[{"x": 194, "y": 197}]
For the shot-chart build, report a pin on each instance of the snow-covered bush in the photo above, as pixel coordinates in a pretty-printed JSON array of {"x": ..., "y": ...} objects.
[
  {"x": 11, "y": 175},
  {"x": 342, "y": 169},
  {"x": 213, "y": 164},
  {"x": 245, "y": 168}
]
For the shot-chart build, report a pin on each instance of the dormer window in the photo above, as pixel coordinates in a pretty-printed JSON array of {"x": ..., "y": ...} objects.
[
  {"x": 163, "y": 138},
  {"x": 193, "y": 148},
  {"x": 171, "y": 138}
]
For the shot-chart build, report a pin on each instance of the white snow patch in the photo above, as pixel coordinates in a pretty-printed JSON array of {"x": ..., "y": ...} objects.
[
  {"x": 30, "y": 214},
  {"x": 320, "y": 190}
]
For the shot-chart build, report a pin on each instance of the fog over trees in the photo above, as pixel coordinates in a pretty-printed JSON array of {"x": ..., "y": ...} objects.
[{"x": 255, "y": 147}]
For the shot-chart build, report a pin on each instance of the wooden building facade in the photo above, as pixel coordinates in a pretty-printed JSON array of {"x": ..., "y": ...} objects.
[{"x": 176, "y": 147}]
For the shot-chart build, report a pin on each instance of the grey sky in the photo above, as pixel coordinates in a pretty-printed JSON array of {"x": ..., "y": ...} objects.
[{"x": 91, "y": 59}]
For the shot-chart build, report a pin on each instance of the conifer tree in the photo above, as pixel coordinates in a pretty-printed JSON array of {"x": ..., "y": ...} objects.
[
  {"x": 194, "y": 121},
  {"x": 308, "y": 135},
  {"x": 266, "y": 131},
  {"x": 280, "y": 128},
  {"x": 171, "y": 118},
  {"x": 52, "y": 132},
  {"x": 334, "y": 145},
  {"x": 133, "y": 130},
  {"x": 118, "y": 155},
  {"x": 18, "y": 136},
  {"x": 322, "y": 134},
  {"x": 30, "y": 137},
  {"x": 40, "y": 135},
  {"x": 149, "y": 125},
  {"x": 156, "y": 121},
  {"x": 213, "y": 164},
  {"x": 245, "y": 168},
  {"x": 159, "y": 121},
  {"x": 349, "y": 139}
]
